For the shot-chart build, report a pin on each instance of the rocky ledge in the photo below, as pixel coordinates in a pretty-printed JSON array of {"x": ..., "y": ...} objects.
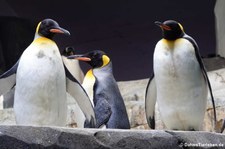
[{"x": 57, "y": 137}]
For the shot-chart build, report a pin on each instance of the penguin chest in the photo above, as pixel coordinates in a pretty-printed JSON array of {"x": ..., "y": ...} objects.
[
  {"x": 176, "y": 66},
  {"x": 40, "y": 96}
]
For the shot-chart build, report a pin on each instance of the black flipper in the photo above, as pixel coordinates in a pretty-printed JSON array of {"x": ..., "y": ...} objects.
[
  {"x": 75, "y": 89},
  {"x": 102, "y": 111},
  {"x": 150, "y": 101},
  {"x": 8, "y": 101},
  {"x": 203, "y": 69},
  {"x": 8, "y": 79}
]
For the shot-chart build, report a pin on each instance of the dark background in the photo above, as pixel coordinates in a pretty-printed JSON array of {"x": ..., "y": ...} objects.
[{"x": 124, "y": 29}]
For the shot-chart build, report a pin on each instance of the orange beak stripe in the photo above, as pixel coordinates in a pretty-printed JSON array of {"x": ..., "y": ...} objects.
[
  {"x": 165, "y": 27},
  {"x": 56, "y": 31},
  {"x": 83, "y": 59}
]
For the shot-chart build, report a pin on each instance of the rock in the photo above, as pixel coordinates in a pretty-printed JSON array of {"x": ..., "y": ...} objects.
[
  {"x": 136, "y": 114},
  {"x": 220, "y": 28},
  {"x": 55, "y": 137},
  {"x": 214, "y": 63},
  {"x": 133, "y": 90}
]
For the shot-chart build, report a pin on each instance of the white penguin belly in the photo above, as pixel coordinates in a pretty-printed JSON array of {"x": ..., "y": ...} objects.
[
  {"x": 181, "y": 88},
  {"x": 40, "y": 95}
]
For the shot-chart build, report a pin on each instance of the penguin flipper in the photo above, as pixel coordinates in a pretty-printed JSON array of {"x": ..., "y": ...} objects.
[
  {"x": 204, "y": 72},
  {"x": 8, "y": 99},
  {"x": 150, "y": 100},
  {"x": 8, "y": 79},
  {"x": 75, "y": 89},
  {"x": 102, "y": 111}
]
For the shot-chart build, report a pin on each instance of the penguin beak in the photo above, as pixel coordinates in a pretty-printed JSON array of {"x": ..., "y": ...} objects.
[
  {"x": 79, "y": 57},
  {"x": 60, "y": 30},
  {"x": 162, "y": 26}
]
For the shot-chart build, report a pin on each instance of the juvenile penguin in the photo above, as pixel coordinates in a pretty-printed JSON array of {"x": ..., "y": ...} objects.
[
  {"x": 180, "y": 83},
  {"x": 103, "y": 91},
  {"x": 40, "y": 92},
  {"x": 72, "y": 64},
  {"x": 73, "y": 67}
]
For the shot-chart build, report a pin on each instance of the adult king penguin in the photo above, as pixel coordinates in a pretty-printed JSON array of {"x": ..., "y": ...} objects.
[
  {"x": 103, "y": 91},
  {"x": 180, "y": 83},
  {"x": 40, "y": 93}
]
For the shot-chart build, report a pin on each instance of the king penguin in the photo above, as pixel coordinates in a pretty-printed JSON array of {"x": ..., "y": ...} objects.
[
  {"x": 103, "y": 91},
  {"x": 40, "y": 81},
  {"x": 180, "y": 83},
  {"x": 40, "y": 91}
]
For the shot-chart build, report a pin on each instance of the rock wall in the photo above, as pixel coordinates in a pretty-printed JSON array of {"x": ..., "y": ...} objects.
[
  {"x": 220, "y": 28},
  {"x": 21, "y": 137}
]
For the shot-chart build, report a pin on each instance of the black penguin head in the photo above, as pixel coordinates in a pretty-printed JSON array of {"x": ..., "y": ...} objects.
[
  {"x": 95, "y": 58},
  {"x": 68, "y": 51},
  {"x": 171, "y": 29},
  {"x": 48, "y": 28}
]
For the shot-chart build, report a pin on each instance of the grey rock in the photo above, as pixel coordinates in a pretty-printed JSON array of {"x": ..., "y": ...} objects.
[
  {"x": 214, "y": 63},
  {"x": 56, "y": 137},
  {"x": 133, "y": 90},
  {"x": 220, "y": 28},
  {"x": 136, "y": 114}
]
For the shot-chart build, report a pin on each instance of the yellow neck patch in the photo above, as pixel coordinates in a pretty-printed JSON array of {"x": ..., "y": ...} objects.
[
  {"x": 43, "y": 39},
  {"x": 38, "y": 26},
  {"x": 90, "y": 74},
  {"x": 105, "y": 60},
  {"x": 181, "y": 27},
  {"x": 88, "y": 84},
  {"x": 169, "y": 43}
]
